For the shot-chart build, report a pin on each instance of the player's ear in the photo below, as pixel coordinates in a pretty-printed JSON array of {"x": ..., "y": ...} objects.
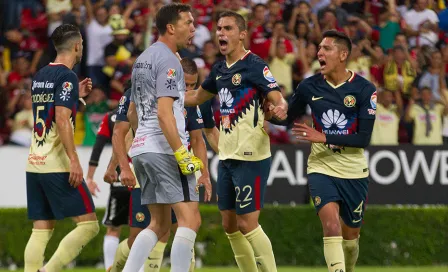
[
  {"x": 170, "y": 28},
  {"x": 343, "y": 55},
  {"x": 243, "y": 35}
]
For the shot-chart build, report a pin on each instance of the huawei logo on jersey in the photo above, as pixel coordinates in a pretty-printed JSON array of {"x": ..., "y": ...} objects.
[
  {"x": 225, "y": 97},
  {"x": 334, "y": 119}
]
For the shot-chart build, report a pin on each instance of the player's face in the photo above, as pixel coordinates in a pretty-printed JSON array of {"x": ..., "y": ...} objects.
[
  {"x": 184, "y": 30},
  {"x": 229, "y": 35},
  {"x": 330, "y": 56},
  {"x": 426, "y": 96},
  {"x": 190, "y": 81}
]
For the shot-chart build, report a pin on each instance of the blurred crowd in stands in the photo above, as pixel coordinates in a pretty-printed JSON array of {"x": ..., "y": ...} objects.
[{"x": 399, "y": 45}]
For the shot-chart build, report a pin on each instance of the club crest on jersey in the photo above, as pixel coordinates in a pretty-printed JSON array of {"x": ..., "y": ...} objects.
[
  {"x": 349, "y": 101},
  {"x": 373, "y": 99},
  {"x": 171, "y": 73},
  {"x": 317, "y": 201},
  {"x": 185, "y": 113},
  {"x": 268, "y": 75},
  {"x": 140, "y": 217},
  {"x": 236, "y": 79},
  {"x": 123, "y": 100}
]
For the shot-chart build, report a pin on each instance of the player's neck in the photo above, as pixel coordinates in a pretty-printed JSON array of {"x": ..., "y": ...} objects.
[
  {"x": 66, "y": 59},
  {"x": 236, "y": 55},
  {"x": 168, "y": 42},
  {"x": 339, "y": 76}
]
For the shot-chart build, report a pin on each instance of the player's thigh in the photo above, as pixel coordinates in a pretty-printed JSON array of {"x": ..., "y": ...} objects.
[
  {"x": 117, "y": 209},
  {"x": 323, "y": 190},
  {"x": 139, "y": 216},
  {"x": 354, "y": 197},
  {"x": 145, "y": 177},
  {"x": 225, "y": 188},
  {"x": 38, "y": 206},
  {"x": 187, "y": 214},
  {"x": 250, "y": 180},
  {"x": 67, "y": 201}
]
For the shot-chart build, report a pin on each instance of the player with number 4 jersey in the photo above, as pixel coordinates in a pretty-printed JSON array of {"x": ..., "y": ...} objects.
[{"x": 343, "y": 108}]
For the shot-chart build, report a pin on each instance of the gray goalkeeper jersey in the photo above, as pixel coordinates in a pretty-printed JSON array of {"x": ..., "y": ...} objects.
[{"x": 156, "y": 73}]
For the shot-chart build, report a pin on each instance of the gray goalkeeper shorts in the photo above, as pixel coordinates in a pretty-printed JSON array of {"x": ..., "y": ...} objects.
[{"x": 161, "y": 180}]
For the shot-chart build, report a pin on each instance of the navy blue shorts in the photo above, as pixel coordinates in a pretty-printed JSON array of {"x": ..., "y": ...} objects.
[
  {"x": 50, "y": 197},
  {"x": 351, "y": 194},
  {"x": 241, "y": 185},
  {"x": 139, "y": 216}
]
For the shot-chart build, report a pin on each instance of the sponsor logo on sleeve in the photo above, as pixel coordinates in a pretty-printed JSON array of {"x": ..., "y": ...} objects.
[
  {"x": 171, "y": 73},
  {"x": 268, "y": 75},
  {"x": 373, "y": 99}
]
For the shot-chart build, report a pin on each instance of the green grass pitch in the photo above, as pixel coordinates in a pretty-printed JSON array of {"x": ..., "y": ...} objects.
[{"x": 294, "y": 269}]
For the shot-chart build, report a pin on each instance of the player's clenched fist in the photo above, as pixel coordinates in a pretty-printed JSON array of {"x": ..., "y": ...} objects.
[
  {"x": 76, "y": 176},
  {"x": 188, "y": 163},
  {"x": 127, "y": 178},
  {"x": 111, "y": 175}
]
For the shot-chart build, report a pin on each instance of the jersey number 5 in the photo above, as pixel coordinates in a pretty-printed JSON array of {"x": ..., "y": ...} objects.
[{"x": 40, "y": 121}]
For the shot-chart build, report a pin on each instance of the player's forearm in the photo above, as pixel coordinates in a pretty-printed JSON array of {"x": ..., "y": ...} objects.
[
  {"x": 91, "y": 171},
  {"x": 119, "y": 145},
  {"x": 98, "y": 147},
  {"x": 359, "y": 140},
  {"x": 197, "y": 97},
  {"x": 212, "y": 135},
  {"x": 132, "y": 116},
  {"x": 65, "y": 131},
  {"x": 168, "y": 125},
  {"x": 200, "y": 151}
]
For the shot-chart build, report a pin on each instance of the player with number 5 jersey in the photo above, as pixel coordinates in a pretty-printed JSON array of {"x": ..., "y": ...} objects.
[
  {"x": 54, "y": 177},
  {"x": 243, "y": 83}
]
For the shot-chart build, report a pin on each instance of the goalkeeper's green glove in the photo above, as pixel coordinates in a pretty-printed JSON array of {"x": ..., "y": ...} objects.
[{"x": 188, "y": 163}]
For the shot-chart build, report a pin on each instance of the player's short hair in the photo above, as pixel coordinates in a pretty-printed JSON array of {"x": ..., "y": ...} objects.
[
  {"x": 340, "y": 38},
  {"x": 189, "y": 66},
  {"x": 240, "y": 21},
  {"x": 259, "y": 5},
  {"x": 169, "y": 14},
  {"x": 64, "y": 36}
]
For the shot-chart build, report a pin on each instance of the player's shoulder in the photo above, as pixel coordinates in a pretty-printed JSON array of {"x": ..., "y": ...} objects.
[
  {"x": 312, "y": 80},
  {"x": 364, "y": 86},
  {"x": 54, "y": 70},
  {"x": 253, "y": 59},
  {"x": 127, "y": 94}
]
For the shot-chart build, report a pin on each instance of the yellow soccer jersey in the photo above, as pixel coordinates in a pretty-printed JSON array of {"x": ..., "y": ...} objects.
[
  {"x": 385, "y": 131},
  {"x": 418, "y": 114},
  {"x": 242, "y": 87},
  {"x": 54, "y": 85}
]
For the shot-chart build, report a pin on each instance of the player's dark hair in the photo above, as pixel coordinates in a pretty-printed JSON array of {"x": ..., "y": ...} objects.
[
  {"x": 339, "y": 38},
  {"x": 169, "y": 14},
  {"x": 240, "y": 21},
  {"x": 189, "y": 66},
  {"x": 259, "y": 5},
  {"x": 64, "y": 36}
]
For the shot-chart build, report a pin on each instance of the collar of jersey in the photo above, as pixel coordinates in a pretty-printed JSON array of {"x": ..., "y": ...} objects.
[
  {"x": 340, "y": 84},
  {"x": 243, "y": 57}
]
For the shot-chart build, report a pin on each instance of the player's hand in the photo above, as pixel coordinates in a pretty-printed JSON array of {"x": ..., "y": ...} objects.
[
  {"x": 188, "y": 163},
  {"x": 204, "y": 181},
  {"x": 127, "y": 178},
  {"x": 93, "y": 187},
  {"x": 85, "y": 87},
  {"x": 278, "y": 112},
  {"x": 76, "y": 175},
  {"x": 305, "y": 133},
  {"x": 111, "y": 175}
]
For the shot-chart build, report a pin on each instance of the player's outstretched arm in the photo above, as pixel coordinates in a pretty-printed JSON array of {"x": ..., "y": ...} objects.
[
  {"x": 200, "y": 150},
  {"x": 65, "y": 130},
  {"x": 197, "y": 97}
]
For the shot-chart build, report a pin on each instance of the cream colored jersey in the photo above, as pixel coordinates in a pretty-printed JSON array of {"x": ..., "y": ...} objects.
[
  {"x": 242, "y": 87},
  {"x": 418, "y": 114},
  {"x": 53, "y": 86},
  {"x": 385, "y": 130}
]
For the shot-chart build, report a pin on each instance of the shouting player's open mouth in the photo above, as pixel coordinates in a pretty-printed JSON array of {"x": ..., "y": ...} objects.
[
  {"x": 190, "y": 40},
  {"x": 222, "y": 44},
  {"x": 323, "y": 64}
]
